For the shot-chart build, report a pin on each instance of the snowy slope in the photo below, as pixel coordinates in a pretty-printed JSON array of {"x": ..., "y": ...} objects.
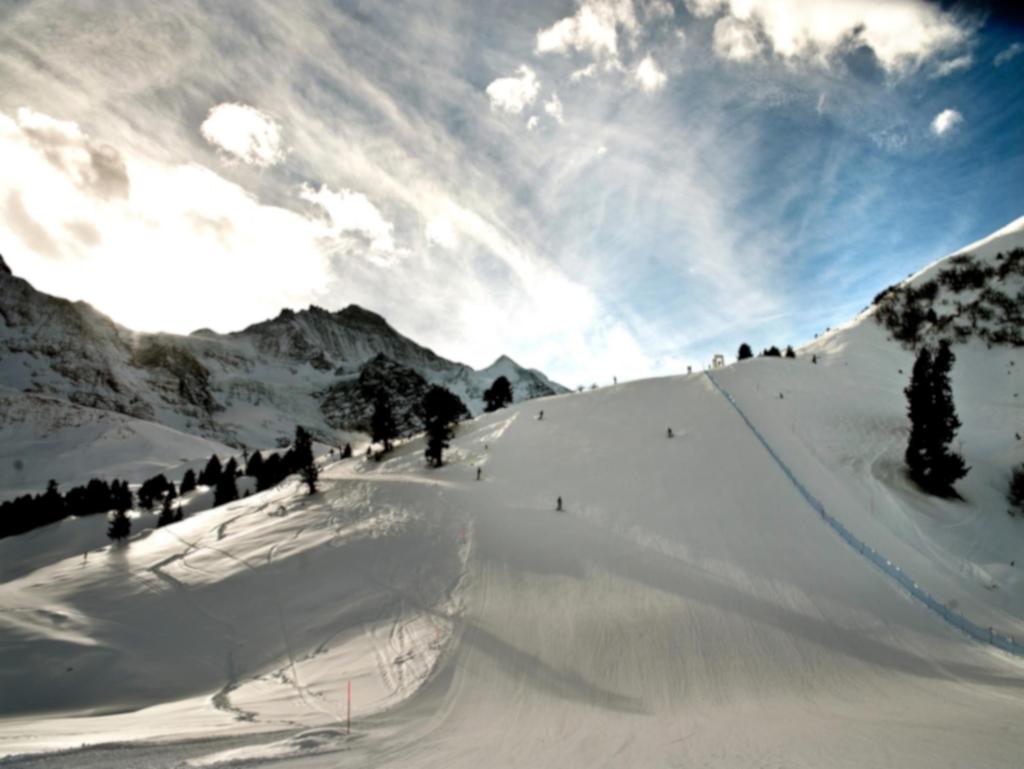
[
  {"x": 679, "y": 617},
  {"x": 45, "y": 437},
  {"x": 687, "y": 609}
]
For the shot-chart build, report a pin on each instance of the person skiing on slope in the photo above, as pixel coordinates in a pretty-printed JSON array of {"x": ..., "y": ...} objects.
[
  {"x": 540, "y": 417},
  {"x": 558, "y": 506},
  {"x": 669, "y": 433},
  {"x": 478, "y": 471}
]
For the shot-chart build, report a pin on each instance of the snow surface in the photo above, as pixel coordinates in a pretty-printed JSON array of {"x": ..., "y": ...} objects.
[{"x": 687, "y": 608}]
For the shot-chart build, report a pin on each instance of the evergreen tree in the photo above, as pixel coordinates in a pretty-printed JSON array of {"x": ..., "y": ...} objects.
[
  {"x": 225, "y": 490},
  {"x": 382, "y": 423},
  {"x": 120, "y": 526},
  {"x": 271, "y": 473},
  {"x": 211, "y": 473},
  {"x": 1016, "y": 493},
  {"x": 744, "y": 352},
  {"x": 498, "y": 395},
  {"x": 346, "y": 453},
  {"x": 254, "y": 465},
  {"x": 304, "y": 459},
  {"x": 441, "y": 410},
  {"x": 231, "y": 468},
  {"x": 933, "y": 423},
  {"x": 123, "y": 497},
  {"x": 188, "y": 482},
  {"x": 167, "y": 511},
  {"x": 772, "y": 352},
  {"x": 789, "y": 351}
]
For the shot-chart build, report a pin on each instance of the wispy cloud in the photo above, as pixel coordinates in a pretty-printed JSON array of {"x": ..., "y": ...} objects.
[
  {"x": 637, "y": 227},
  {"x": 1008, "y": 54}
]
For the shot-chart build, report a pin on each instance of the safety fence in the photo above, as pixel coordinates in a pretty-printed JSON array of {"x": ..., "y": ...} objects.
[{"x": 986, "y": 635}]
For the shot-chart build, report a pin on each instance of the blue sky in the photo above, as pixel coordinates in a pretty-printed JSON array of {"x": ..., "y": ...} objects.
[{"x": 596, "y": 187}]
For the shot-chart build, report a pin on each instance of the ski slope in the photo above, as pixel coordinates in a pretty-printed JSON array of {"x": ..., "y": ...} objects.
[{"x": 688, "y": 607}]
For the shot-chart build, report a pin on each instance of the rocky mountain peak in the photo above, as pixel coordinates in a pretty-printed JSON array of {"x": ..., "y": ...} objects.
[{"x": 4, "y": 269}]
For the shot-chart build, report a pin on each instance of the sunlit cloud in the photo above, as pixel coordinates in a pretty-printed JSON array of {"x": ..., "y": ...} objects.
[
  {"x": 441, "y": 232},
  {"x": 351, "y": 213},
  {"x": 946, "y": 121},
  {"x": 553, "y": 107},
  {"x": 649, "y": 75},
  {"x": 515, "y": 93},
  {"x": 593, "y": 29},
  {"x": 902, "y": 34},
  {"x": 244, "y": 133}
]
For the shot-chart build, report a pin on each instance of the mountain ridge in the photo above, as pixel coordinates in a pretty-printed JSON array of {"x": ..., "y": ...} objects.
[{"x": 242, "y": 388}]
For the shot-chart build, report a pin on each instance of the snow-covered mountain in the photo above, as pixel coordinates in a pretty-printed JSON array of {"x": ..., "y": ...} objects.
[{"x": 249, "y": 388}]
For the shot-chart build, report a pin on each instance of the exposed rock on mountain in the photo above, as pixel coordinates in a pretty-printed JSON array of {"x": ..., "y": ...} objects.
[{"x": 317, "y": 368}]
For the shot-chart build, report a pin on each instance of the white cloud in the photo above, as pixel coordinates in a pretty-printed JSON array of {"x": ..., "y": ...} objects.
[
  {"x": 593, "y": 29},
  {"x": 946, "y": 121},
  {"x": 515, "y": 93},
  {"x": 244, "y": 133},
  {"x": 704, "y": 8},
  {"x": 950, "y": 66},
  {"x": 1008, "y": 54},
  {"x": 648, "y": 75},
  {"x": 441, "y": 232},
  {"x": 902, "y": 33},
  {"x": 179, "y": 227},
  {"x": 352, "y": 213},
  {"x": 736, "y": 40},
  {"x": 553, "y": 107}
]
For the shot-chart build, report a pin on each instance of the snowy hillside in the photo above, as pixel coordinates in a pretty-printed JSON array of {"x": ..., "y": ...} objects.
[
  {"x": 688, "y": 607},
  {"x": 248, "y": 388}
]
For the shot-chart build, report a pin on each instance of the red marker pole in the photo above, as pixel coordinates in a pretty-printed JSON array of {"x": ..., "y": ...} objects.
[{"x": 348, "y": 720}]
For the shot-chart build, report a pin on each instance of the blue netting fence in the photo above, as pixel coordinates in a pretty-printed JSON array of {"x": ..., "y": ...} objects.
[{"x": 986, "y": 635}]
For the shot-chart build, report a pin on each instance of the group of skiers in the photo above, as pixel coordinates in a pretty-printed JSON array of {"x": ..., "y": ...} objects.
[{"x": 558, "y": 502}]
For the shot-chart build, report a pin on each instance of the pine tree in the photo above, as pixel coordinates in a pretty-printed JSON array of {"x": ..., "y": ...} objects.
[
  {"x": 123, "y": 498},
  {"x": 744, "y": 352},
  {"x": 949, "y": 467},
  {"x": 789, "y": 351},
  {"x": 382, "y": 423},
  {"x": 225, "y": 490},
  {"x": 346, "y": 453},
  {"x": 498, "y": 395},
  {"x": 254, "y": 465},
  {"x": 933, "y": 423},
  {"x": 211, "y": 473},
  {"x": 304, "y": 459},
  {"x": 1016, "y": 493},
  {"x": 120, "y": 526},
  {"x": 231, "y": 468},
  {"x": 167, "y": 511},
  {"x": 441, "y": 410},
  {"x": 188, "y": 482}
]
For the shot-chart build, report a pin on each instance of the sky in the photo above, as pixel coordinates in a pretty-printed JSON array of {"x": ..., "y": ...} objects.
[{"x": 597, "y": 188}]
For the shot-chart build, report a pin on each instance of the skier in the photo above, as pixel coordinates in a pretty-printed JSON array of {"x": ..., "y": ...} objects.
[
  {"x": 478, "y": 471},
  {"x": 669, "y": 433},
  {"x": 558, "y": 506},
  {"x": 540, "y": 417}
]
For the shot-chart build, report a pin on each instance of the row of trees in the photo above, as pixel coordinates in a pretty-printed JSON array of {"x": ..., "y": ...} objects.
[
  {"x": 28, "y": 512},
  {"x": 769, "y": 352}
]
